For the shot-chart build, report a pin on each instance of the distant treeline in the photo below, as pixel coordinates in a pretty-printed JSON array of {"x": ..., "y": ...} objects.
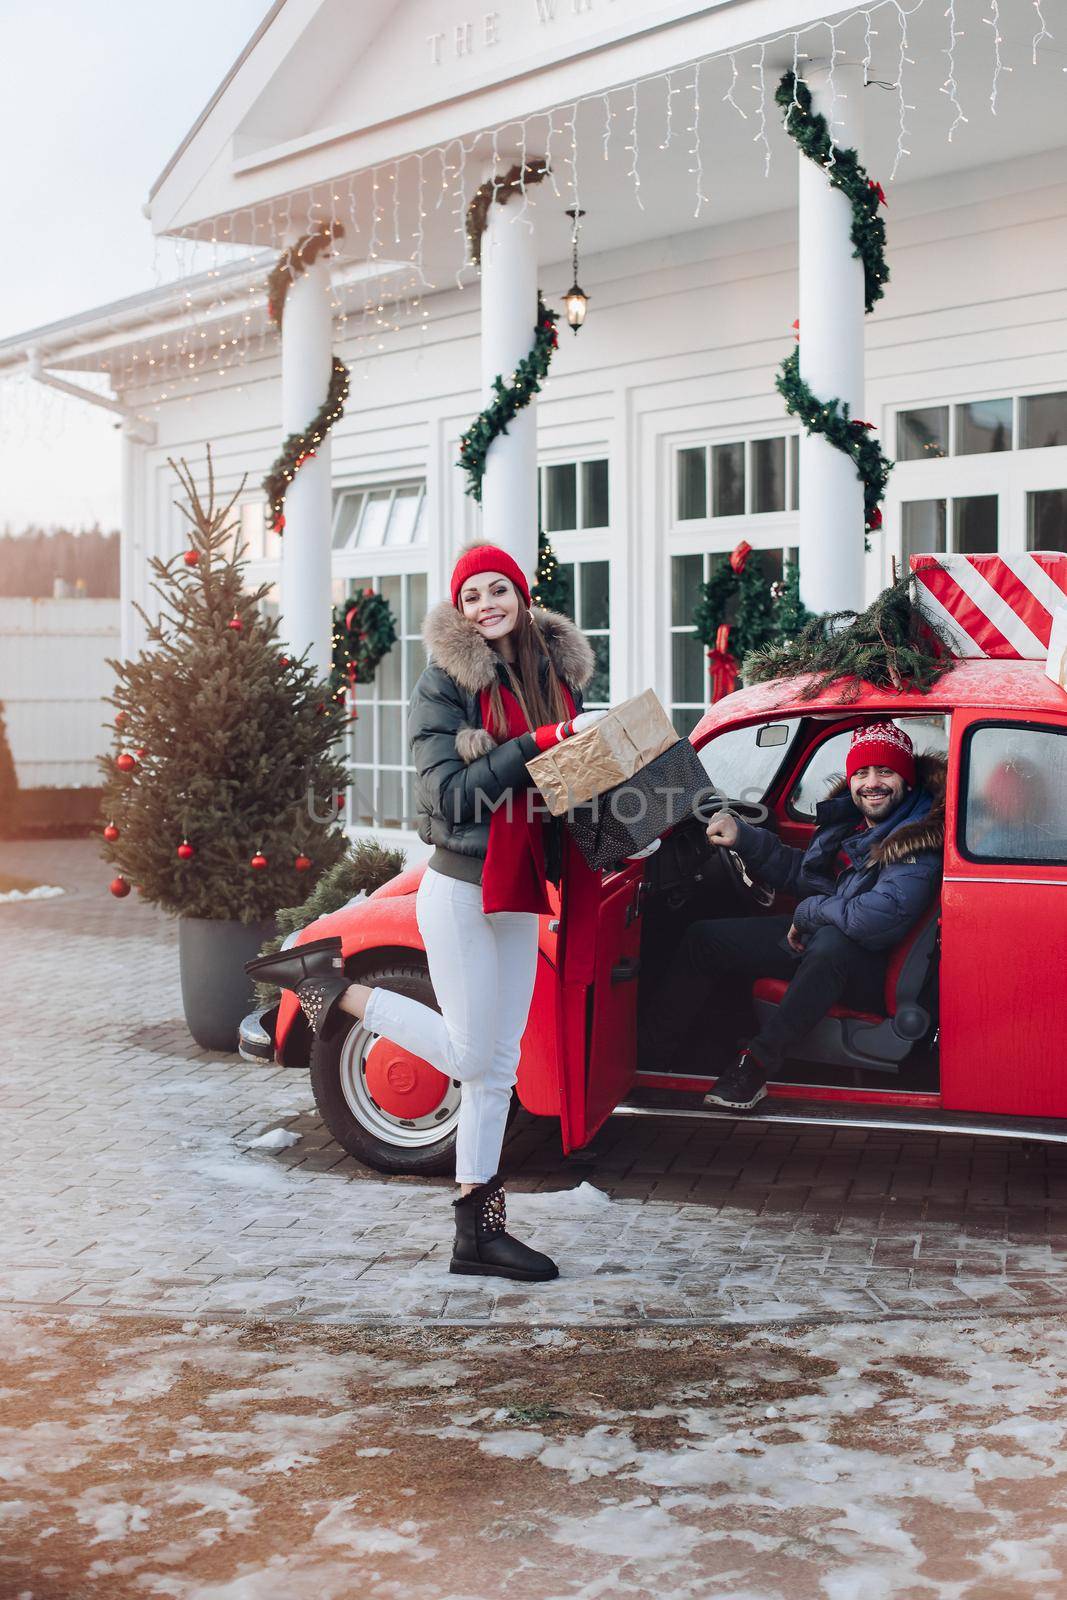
[{"x": 31, "y": 561}]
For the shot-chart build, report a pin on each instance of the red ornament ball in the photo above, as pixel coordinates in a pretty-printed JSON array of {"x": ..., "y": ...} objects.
[
  {"x": 235, "y": 623},
  {"x": 125, "y": 762},
  {"x": 141, "y": 753},
  {"x": 191, "y": 558},
  {"x": 186, "y": 852},
  {"x": 111, "y": 833},
  {"x": 259, "y": 861},
  {"x": 283, "y": 661},
  {"x": 120, "y": 718},
  {"x": 302, "y": 863},
  {"x": 119, "y": 888},
  {"x": 368, "y": 593}
]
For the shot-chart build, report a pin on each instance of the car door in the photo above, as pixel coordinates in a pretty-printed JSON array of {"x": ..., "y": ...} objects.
[
  {"x": 599, "y": 966},
  {"x": 1004, "y": 918}
]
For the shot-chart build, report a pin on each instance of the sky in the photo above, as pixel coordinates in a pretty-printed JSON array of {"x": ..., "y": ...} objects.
[{"x": 95, "y": 95}]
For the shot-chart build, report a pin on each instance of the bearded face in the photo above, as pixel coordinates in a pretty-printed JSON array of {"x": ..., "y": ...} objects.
[{"x": 877, "y": 791}]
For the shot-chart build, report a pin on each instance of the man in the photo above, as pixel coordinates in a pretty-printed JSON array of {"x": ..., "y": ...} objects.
[{"x": 869, "y": 873}]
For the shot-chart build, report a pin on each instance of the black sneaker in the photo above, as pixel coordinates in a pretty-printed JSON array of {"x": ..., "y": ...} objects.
[{"x": 740, "y": 1087}]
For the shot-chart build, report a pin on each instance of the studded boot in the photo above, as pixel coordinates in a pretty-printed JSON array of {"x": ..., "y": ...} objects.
[
  {"x": 484, "y": 1247},
  {"x": 314, "y": 971}
]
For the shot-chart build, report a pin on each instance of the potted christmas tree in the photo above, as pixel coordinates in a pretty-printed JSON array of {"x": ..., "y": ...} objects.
[{"x": 221, "y": 790}]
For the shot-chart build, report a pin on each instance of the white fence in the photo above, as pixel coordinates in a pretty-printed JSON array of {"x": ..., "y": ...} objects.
[{"x": 53, "y": 679}]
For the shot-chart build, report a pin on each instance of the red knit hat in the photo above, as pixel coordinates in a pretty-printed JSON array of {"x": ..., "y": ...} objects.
[
  {"x": 881, "y": 744},
  {"x": 488, "y": 558}
]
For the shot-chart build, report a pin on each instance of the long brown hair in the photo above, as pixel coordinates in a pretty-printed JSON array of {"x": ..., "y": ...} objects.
[{"x": 539, "y": 693}]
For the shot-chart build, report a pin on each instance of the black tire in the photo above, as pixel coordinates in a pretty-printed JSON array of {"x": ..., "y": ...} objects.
[{"x": 350, "y": 1114}]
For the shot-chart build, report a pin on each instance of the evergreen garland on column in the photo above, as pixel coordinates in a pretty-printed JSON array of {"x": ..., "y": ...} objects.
[{"x": 844, "y": 171}]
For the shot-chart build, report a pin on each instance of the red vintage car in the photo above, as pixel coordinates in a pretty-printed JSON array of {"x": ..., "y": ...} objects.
[{"x": 973, "y": 1033}]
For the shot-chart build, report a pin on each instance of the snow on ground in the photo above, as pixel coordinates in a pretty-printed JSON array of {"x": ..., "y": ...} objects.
[
  {"x": 40, "y": 891},
  {"x": 214, "y": 1461}
]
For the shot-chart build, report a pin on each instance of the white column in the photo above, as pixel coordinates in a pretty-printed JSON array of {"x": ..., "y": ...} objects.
[
  {"x": 133, "y": 569},
  {"x": 831, "y": 359},
  {"x": 509, "y": 317},
  {"x": 307, "y": 330}
]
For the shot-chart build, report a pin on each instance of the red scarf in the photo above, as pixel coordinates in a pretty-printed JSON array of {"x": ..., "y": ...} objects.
[{"x": 514, "y": 875}]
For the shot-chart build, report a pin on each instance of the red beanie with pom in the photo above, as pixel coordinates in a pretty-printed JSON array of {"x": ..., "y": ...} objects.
[
  {"x": 488, "y": 558},
  {"x": 882, "y": 744}
]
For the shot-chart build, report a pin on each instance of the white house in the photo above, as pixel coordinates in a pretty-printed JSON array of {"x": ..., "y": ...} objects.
[{"x": 659, "y": 440}]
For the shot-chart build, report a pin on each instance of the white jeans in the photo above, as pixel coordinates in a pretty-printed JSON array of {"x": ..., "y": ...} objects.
[{"x": 482, "y": 968}]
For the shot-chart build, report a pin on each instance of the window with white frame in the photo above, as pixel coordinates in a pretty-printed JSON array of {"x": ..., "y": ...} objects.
[
  {"x": 690, "y": 692},
  {"x": 378, "y": 518},
  {"x": 575, "y": 504},
  {"x": 988, "y": 483},
  {"x": 736, "y": 478},
  {"x": 381, "y": 794}
]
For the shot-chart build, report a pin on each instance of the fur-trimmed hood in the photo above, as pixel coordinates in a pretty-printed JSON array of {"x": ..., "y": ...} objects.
[
  {"x": 454, "y": 644},
  {"x": 912, "y": 838}
]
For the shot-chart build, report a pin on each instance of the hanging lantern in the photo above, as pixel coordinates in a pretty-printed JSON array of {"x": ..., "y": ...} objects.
[{"x": 575, "y": 300}]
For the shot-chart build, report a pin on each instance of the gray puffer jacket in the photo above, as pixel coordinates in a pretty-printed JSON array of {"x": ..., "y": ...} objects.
[{"x": 461, "y": 770}]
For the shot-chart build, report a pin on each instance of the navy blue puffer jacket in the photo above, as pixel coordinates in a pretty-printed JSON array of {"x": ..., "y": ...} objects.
[{"x": 892, "y": 871}]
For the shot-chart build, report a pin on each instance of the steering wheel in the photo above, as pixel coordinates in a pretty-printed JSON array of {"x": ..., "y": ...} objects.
[{"x": 747, "y": 811}]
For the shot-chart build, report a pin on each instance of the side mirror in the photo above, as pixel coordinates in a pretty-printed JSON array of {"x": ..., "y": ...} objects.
[{"x": 771, "y": 734}]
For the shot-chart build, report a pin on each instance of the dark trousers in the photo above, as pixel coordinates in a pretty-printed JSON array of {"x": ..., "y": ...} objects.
[{"x": 718, "y": 961}]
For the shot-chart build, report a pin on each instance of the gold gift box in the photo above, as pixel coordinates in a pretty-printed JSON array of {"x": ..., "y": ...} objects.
[{"x": 590, "y": 763}]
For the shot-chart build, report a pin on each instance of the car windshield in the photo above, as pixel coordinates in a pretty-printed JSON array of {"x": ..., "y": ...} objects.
[{"x": 742, "y": 763}]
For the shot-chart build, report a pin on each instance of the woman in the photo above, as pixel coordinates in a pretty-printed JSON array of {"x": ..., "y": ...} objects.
[{"x": 503, "y": 683}]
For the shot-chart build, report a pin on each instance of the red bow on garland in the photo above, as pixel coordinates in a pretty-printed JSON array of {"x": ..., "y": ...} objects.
[
  {"x": 739, "y": 555},
  {"x": 722, "y": 666}
]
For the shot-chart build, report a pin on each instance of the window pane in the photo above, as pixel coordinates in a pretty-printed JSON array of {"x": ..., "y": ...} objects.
[
  {"x": 361, "y": 796},
  {"x": 974, "y": 524},
  {"x": 415, "y": 660},
  {"x": 390, "y": 799},
  {"x": 686, "y": 575},
  {"x": 375, "y": 516},
  {"x": 349, "y": 506},
  {"x": 596, "y": 611},
  {"x": 405, "y": 511},
  {"x": 1016, "y": 801},
  {"x": 922, "y": 435},
  {"x": 687, "y": 669},
  {"x": 922, "y": 527},
  {"x": 692, "y": 484},
  {"x": 599, "y": 691},
  {"x": 595, "y": 508},
  {"x": 561, "y": 490},
  {"x": 387, "y": 679},
  {"x": 1044, "y": 420},
  {"x": 565, "y": 586},
  {"x": 768, "y": 474},
  {"x": 794, "y": 459},
  {"x": 728, "y": 480},
  {"x": 362, "y": 726},
  {"x": 390, "y": 590},
  {"x": 392, "y": 734},
  {"x": 685, "y": 722},
  {"x": 1046, "y": 519},
  {"x": 820, "y": 774},
  {"x": 739, "y": 767},
  {"x": 983, "y": 426},
  {"x": 415, "y": 586}
]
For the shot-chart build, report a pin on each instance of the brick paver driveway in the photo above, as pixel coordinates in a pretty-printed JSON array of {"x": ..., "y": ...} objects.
[{"x": 127, "y": 1181}]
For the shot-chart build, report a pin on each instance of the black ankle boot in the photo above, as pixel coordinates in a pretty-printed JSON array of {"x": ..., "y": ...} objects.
[
  {"x": 483, "y": 1246},
  {"x": 314, "y": 971}
]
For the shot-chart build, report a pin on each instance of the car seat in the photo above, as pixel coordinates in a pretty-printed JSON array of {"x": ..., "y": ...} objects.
[{"x": 879, "y": 1043}]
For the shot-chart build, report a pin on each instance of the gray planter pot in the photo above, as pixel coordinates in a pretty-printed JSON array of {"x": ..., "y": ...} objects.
[{"x": 216, "y": 991}]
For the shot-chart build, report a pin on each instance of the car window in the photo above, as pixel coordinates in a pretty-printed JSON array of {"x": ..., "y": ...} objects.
[
  {"x": 740, "y": 767},
  {"x": 1014, "y": 806},
  {"x": 827, "y": 764}
]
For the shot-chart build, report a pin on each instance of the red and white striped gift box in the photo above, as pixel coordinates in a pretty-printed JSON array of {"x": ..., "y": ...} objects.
[{"x": 999, "y": 606}]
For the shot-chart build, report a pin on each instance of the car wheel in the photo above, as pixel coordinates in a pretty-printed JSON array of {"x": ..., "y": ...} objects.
[{"x": 388, "y": 1108}]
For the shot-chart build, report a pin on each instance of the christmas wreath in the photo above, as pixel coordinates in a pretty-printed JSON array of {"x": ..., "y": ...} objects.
[
  {"x": 508, "y": 400},
  {"x": 364, "y": 632},
  {"x": 846, "y": 172},
  {"x": 301, "y": 447},
  {"x": 739, "y": 613}
]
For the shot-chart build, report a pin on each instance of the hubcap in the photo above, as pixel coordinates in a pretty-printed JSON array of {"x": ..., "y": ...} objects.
[{"x": 394, "y": 1095}]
